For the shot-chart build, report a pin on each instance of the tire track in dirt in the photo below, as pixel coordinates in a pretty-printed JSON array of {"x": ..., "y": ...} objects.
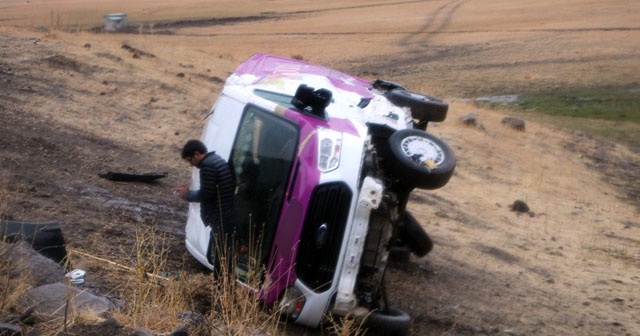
[
  {"x": 444, "y": 14},
  {"x": 213, "y": 22},
  {"x": 264, "y": 16},
  {"x": 386, "y": 4}
]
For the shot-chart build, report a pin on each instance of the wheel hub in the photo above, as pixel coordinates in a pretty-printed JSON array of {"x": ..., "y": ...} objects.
[{"x": 422, "y": 151}]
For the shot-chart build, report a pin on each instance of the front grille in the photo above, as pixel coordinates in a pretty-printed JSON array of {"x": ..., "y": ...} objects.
[{"x": 322, "y": 235}]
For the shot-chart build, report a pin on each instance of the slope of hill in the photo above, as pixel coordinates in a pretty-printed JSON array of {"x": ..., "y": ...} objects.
[{"x": 73, "y": 105}]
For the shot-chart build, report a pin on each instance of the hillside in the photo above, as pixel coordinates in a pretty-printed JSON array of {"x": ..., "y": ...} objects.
[{"x": 77, "y": 104}]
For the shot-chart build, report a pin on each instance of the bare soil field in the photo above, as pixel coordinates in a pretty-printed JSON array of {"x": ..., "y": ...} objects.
[{"x": 75, "y": 103}]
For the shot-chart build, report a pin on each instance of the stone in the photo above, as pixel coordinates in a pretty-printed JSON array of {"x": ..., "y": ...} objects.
[
  {"x": 142, "y": 331},
  {"x": 51, "y": 300},
  {"x": 515, "y": 123},
  {"x": 8, "y": 329},
  {"x": 34, "y": 267},
  {"x": 519, "y": 206},
  {"x": 469, "y": 119}
]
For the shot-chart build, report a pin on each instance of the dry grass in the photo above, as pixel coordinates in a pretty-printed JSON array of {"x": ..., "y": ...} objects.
[
  {"x": 152, "y": 298},
  {"x": 346, "y": 326},
  {"x": 559, "y": 272},
  {"x": 199, "y": 302},
  {"x": 13, "y": 285},
  {"x": 157, "y": 300}
]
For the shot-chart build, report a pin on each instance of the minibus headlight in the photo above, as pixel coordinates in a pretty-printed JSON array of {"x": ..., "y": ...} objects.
[{"x": 329, "y": 149}]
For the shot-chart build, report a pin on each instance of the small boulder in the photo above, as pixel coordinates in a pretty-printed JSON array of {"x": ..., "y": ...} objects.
[
  {"x": 51, "y": 300},
  {"x": 515, "y": 123},
  {"x": 519, "y": 206},
  {"x": 470, "y": 119},
  {"x": 36, "y": 268},
  {"x": 8, "y": 329},
  {"x": 190, "y": 321},
  {"x": 142, "y": 331}
]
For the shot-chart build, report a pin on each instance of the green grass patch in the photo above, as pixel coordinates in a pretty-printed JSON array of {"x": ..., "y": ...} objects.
[
  {"x": 611, "y": 103},
  {"x": 612, "y": 112}
]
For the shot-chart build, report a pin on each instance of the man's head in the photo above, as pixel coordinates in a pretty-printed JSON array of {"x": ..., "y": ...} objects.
[{"x": 193, "y": 151}]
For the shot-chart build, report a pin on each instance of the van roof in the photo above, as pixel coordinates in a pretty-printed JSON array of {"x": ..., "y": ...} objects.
[
  {"x": 290, "y": 70},
  {"x": 354, "y": 101}
]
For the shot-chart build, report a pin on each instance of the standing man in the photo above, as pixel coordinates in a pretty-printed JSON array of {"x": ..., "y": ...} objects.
[{"x": 216, "y": 198}]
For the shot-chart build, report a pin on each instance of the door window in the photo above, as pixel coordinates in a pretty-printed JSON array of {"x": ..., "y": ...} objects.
[{"x": 262, "y": 158}]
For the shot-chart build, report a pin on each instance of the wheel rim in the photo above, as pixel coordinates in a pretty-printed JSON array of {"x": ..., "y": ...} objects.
[{"x": 422, "y": 151}]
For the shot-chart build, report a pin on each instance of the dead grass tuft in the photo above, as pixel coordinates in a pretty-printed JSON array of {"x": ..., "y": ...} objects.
[
  {"x": 13, "y": 285},
  {"x": 196, "y": 302}
]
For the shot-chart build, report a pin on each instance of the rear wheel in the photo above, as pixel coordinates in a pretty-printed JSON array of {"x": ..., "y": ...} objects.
[
  {"x": 414, "y": 235},
  {"x": 423, "y": 107},
  {"x": 390, "y": 321},
  {"x": 399, "y": 253},
  {"x": 422, "y": 160}
]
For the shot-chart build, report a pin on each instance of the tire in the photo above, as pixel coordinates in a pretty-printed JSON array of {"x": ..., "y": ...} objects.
[
  {"x": 414, "y": 235},
  {"x": 399, "y": 254},
  {"x": 421, "y": 160},
  {"x": 423, "y": 107},
  {"x": 381, "y": 84},
  {"x": 393, "y": 321}
]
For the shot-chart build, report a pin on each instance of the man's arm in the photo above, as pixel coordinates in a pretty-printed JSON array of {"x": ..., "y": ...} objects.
[
  {"x": 208, "y": 184},
  {"x": 186, "y": 194},
  {"x": 193, "y": 196}
]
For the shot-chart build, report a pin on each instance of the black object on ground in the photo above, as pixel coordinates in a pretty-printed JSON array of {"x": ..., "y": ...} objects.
[
  {"x": 45, "y": 237},
  {"x": 126, "y": 177}
]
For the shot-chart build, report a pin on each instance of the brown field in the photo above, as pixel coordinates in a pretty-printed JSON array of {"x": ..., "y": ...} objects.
[{"x": 70, "y": 111}]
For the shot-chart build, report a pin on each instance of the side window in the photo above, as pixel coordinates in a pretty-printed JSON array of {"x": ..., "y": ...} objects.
[{"x": 262, "y": 157}]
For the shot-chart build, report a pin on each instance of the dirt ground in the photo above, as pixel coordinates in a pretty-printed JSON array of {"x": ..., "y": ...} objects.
[{"x": 77, "y": 104}]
